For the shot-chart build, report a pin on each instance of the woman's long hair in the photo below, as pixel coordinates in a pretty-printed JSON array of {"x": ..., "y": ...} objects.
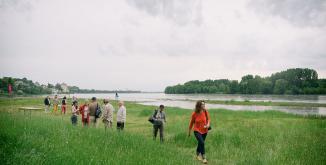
[{"x": 199, "y": 103}]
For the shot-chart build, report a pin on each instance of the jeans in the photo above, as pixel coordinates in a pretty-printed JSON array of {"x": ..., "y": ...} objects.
[
  {"x": 74, "y": 120},
  {"x": 155, "y": 130},
  {"x": 201, "y": 143},
  {"x": 120, "y": 125}
]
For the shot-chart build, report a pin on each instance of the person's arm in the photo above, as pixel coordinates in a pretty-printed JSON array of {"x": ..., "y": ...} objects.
[
  {"x": 191, "y": 124},
  {"x": 124, "y": 115},
  {"x": 164, "y": 117},
  {"x": 208, "y": 119}
]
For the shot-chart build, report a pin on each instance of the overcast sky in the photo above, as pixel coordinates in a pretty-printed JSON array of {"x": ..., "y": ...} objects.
[{"x": 150, "y": 44}]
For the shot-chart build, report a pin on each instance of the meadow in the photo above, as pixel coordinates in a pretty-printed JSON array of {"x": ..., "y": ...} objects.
[{"x": 237, "y": 137}]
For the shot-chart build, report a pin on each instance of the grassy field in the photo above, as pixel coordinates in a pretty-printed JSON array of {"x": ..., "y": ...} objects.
[{"x": 245, "y": 137}]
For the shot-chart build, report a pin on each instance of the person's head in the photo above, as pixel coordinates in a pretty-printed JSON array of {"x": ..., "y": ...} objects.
[
  {"x": 121, "y": 103},
  {"x": 75, "y": 103},
  {"x": 64, "y": 97},
  {"x": 200, "y": 105},
  {"x": 161, "y": 107},
  {"x": 55, "y": 96},
  {"x": 105, "y": 101},
  {"x": 93, "y": 99}
]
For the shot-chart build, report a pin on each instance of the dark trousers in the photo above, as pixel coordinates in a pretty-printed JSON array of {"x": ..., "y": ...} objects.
[
  {"x": 201, "y": 142},
  {"x": 120, "y": 125},
  {"x": 155, "y": 130},
  {"x": 74, "y": 120}
]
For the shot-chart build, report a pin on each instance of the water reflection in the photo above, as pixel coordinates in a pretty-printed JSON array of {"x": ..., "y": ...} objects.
[
  {"x": 188, "y": 101},
  {"x": 293, "y": 110}
]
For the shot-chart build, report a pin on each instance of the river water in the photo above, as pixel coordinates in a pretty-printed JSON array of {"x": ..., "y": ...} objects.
[{"x": 188, "y": 101}]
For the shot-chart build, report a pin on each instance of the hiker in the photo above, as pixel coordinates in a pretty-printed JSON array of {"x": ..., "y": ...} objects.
[
  {"x": 83, "y": 110},
  {"x": 116, "y": 96},
  {"x": 121, "y": 116},
  {"x": 107, "y": 114},
  {"x": 92, "y": 111},
  {"x": 55, "y": 103},
  {"x": 47, "y": 104},
  {"x": 74, "y": 111},
  {"x": 64, "y": 105},
  {"x": 200, "y": 122},
  {"x": 159, "y": 121}
]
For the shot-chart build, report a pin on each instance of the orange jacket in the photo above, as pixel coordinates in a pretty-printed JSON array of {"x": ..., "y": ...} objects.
[
  {"x": 81, "y": 110},
  {"x": 198, "y": 121}
]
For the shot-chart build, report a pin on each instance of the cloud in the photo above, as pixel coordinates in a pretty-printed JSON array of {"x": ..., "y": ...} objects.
[
  {"x": 299, "y": 13},
  {"x": 149, "y": 44},
  {"x": 181, "y": 12},
  {"x": 17, "y": 5}
]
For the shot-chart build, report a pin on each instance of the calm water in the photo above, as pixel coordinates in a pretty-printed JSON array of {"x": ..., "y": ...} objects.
[{"x": 188, "y": 101}]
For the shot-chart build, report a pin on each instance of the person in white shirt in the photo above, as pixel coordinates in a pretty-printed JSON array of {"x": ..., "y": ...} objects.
[
  {"x": 107, "y": 116},
  {"x": 74, "y": 111},
  {"x": 121, "y": 116}
]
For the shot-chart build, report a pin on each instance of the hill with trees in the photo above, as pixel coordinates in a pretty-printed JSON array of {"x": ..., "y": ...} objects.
[
  {"x": 292, "y": 81},
  {"x": 28, "y": 87}
]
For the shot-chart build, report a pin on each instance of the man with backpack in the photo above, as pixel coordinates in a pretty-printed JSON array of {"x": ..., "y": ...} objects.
[
  {"x": 158, "y": 123},
  {"x": 93, "y": 106}
]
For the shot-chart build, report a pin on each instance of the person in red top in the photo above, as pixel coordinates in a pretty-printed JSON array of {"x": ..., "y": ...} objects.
[
  {"x": 83, "y": 109},
  {"x": 200, "y": 123}
]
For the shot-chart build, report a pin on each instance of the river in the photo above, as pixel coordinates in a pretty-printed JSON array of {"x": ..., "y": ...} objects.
[{"x": 187, "y": 101}]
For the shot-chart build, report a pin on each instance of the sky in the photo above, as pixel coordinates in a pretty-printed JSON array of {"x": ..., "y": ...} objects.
[{"x": 150, "y": 44}]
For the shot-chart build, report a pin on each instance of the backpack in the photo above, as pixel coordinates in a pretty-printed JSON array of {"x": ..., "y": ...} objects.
[
  {"x": 98, "y": 111},
  {"x": 151, "y": 119}
]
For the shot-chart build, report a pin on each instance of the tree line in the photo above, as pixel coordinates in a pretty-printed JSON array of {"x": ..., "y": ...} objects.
[
  {"x": 23, "y": 86},
  {"x": 292, "y": 81}
]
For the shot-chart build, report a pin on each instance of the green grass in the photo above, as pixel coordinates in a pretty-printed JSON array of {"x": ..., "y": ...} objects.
[{"x": 245, "y": 137}]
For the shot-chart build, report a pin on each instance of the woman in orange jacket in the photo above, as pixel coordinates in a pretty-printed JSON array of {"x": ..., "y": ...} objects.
[{"x": 200, "y": 123}]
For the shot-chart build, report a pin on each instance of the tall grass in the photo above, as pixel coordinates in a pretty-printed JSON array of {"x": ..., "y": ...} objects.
[{"x": 268, "y": 137}]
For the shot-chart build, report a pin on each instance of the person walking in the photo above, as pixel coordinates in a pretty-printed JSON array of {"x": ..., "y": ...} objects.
[
  {"x": 74, "y": 111},
  {"x": 64, "y": 105},
  {"x": 55, "y": 104},
  {"x": 121, "y": 116},
  {"x": 107, "y": 117},
  {"x": 159, "y": 122},
  {"x": 47, "y": 104},
  {"x": 200, "y": 122},
  {"x": 92, "y": 111}
]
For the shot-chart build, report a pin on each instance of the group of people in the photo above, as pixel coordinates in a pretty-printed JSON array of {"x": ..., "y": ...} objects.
[
  {"x": 199, "y": 122},
  {"x": 91, "y": 112},
  {"x": 56, "y": 103}
]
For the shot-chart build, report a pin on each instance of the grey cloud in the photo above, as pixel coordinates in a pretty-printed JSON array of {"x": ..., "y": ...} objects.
[
  {"x": 182, "y": 12},
  {"x": 298, "y": 12},
  {"x": 18, "y": 5}
]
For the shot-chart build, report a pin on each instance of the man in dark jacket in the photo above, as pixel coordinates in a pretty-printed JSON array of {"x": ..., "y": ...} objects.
[{"x": 47, "y": 104}]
